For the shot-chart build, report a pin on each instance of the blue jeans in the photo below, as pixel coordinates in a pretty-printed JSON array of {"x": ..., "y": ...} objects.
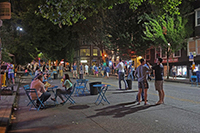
[
  {"x": 130, "y": 74},
  {"x": 121, "y": 77}
]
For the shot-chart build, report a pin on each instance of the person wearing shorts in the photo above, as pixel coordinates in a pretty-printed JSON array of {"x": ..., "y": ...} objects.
[
  {"x": 75, "y": 71},
  {"x": 141, "y": 73},
  {"x": 11, "y": 73},
  {"x": 86, "y": 69},
  {"x": 158, "y": 70},
  {"x": 96, "y": 71}
]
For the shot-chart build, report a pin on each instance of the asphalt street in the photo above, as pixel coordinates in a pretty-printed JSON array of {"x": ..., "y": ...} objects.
[{"x": 179, "y": 114}]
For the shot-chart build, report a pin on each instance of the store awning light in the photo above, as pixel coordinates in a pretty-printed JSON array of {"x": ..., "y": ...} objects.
[{"x": 83, "y": 61}]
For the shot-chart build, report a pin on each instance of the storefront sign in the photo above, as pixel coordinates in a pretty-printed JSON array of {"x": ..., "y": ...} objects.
[
  {"x": 5, "y": 10},
  {"x": 171, "y": 60}
]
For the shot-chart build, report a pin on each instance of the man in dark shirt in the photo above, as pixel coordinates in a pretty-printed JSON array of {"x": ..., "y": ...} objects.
[{"x": 158, "y": 72}]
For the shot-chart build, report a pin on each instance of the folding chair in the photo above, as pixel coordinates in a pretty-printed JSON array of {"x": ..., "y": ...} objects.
[
  {"x": 26, "y": 87},
  {"x": 102, "y": 93},
  {"x": 85, "y": 81},
  {"x": 194, "y": 80},
  {"x": 79, "y": 87},
  {"x": 33, "y": 101},
  {"x": 68, "y": 96},
  {"x": 52, "y": 89}
]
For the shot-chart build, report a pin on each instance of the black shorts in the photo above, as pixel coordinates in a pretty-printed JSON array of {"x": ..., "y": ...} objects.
[{"x": 143, "y": 85}]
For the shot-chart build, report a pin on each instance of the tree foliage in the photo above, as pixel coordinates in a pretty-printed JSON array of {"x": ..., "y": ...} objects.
[
  {"x": 68, "y": 12},
  {"x": 38, "y": 35},
  {"x": 171, "y": 31}
]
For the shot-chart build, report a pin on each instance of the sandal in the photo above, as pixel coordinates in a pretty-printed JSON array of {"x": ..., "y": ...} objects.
[
  {"x": 62, "y": 102},
  {"x": 53, "y": 99}
]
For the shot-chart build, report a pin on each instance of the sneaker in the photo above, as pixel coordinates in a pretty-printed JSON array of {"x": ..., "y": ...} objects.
[{"x": 146, "y": 103}]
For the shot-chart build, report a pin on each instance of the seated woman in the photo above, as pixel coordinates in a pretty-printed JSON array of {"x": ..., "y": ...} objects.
[
  {"x": 68, "y": 87},
  {"x": 40, "y": 88}
]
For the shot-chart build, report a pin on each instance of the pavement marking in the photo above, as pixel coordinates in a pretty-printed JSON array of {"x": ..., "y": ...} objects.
[{"x": 175, "y": 98}]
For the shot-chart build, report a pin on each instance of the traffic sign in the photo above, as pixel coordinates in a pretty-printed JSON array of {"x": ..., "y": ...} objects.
[{"x": 191, "y": 57}]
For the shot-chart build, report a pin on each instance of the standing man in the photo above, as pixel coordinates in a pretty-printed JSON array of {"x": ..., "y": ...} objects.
[
  {"x": 130, "y": 71},
  {"x": 158, "y": 69},
  {"x": 75, "y": 71},
  {"x": 86, "y": 69},
  {"x": 81, "y": 71},
  {"x": 174, "y": 72},
  {"x": 141, "y": 73},
  {"x": 120, "y": 66}
]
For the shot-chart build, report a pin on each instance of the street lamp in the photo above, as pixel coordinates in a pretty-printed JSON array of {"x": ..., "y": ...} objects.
[{"x": 19, "y": 28}]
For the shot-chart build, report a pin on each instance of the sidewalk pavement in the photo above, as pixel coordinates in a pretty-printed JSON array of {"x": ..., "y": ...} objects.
[{"x": 72, "y": 111}]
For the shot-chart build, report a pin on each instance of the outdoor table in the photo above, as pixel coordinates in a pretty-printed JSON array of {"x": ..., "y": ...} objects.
[
  {"x": 52, "y": 89},
  {"x": 21, "y": 73},
  {"x": 101, "y": 88}
]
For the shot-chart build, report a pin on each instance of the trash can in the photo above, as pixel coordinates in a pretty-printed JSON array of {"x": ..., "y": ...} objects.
[
  {"x": 129, "y": 82},
  {"x": 80, "y": 76},
  {"x": 198, "y": 75},
  {"x": 93, "y": 90},
  {"x": 55, "y": 75}
]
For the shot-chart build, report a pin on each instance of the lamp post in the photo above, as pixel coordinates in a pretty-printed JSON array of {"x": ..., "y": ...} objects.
[{"x": 168, "y": 52}]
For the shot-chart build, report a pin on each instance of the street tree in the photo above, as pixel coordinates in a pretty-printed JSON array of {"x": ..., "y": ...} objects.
[
  {"x": 67, "y": 12},
  {"x": 170, "y": 33},
  {"x": 124, "y": 32},
  {"x": 38, "y": 35}
]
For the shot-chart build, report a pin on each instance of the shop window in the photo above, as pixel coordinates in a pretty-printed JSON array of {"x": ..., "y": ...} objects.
[
  {"x": 157, "y": 53},
  {"x": 84, "y": 52},
  {"x": 198, "y": 46},
  {"x": 198, "y": 18},
  {"x": 191, "y": 47},
  {"x": 147, "y": 54},
  {"x": 177, "y": 53},
  {"x": 95, "y": 52}
]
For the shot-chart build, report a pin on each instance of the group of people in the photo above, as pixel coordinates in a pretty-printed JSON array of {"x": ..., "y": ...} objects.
[
  {"x": 86, "y": 70},
  {"x": 103, "y": 70},
  {"x": 42, "y": 88},
  {"x": 141, "y": 73}
]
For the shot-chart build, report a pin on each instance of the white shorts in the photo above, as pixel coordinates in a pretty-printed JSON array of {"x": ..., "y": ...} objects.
[{"x": 107, "y": 73}]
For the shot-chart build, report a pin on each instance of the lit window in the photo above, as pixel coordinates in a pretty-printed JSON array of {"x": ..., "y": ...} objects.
[
  {"x": 94, "y": 52},
  {"x": 84, "y": 52}
]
